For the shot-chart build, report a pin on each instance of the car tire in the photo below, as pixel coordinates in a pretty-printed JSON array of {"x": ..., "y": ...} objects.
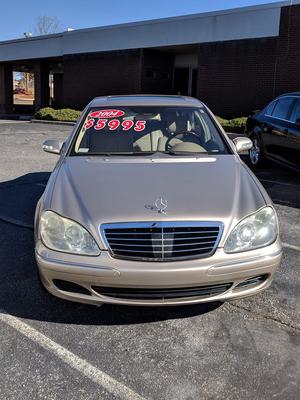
[{"x": 256, "y": 154}]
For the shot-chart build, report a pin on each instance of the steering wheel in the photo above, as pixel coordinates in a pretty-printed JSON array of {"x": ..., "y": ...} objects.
[{"x": 181, "y": 136}]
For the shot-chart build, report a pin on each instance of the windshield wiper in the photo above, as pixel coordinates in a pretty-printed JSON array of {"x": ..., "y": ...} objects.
[
  {"x": 184, "y": 153},
  {"x": 125, "y": 153},
  {"x": 144, "y": 153}
]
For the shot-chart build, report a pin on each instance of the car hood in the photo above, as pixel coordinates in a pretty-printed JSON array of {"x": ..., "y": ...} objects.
[{"x": 94, "y": 190}]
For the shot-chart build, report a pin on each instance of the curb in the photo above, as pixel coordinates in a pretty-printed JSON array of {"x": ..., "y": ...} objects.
[{"x": 42, "y": 121}]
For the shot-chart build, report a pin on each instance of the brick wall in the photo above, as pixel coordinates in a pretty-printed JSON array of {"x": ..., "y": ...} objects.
[
  {"x": 236, "y": 77},
  {"x": 119, "y": 72},
  {"x": 91, "y": 75},
  {"x": 288, "y": 55}
]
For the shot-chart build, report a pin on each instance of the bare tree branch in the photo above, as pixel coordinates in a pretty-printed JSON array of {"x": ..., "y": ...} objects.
[{"x": 46, "y": 25}]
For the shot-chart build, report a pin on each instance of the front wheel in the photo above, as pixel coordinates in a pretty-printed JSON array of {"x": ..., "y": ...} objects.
[{"x": 256, "y": 153}]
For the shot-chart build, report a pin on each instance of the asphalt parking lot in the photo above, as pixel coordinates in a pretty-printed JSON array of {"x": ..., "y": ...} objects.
[{"x": 51, "y": 349}]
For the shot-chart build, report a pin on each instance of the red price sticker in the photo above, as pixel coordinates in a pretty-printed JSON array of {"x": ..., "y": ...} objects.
[
  {"x": 140, "y": 126},
  {"x": 107, "y": 114},
  {"x": 127, "y": 124},
  {"x": 89, "y": 123},
  {"x": 101, "y": 124},
  {"x": 113, "y": 124},
  {"x": 104, "y": 120}
]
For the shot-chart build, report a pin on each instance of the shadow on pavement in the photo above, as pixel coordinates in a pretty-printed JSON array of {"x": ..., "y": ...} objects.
[
  {"x": 20, "y": 291},
  {"x": 19, "y": 196},
  {"x": 281, "y": 183}
]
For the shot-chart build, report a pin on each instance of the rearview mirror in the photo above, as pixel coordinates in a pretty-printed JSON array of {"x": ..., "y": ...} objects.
[
  {"x": 53, "y": 146},
  {"x": 242, "y": 144}
]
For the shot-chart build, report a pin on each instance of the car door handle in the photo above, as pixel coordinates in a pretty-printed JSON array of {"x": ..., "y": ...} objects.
[{"x": 266, "y": 128}]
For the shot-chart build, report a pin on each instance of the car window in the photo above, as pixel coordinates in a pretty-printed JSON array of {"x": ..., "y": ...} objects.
[
  {"x": 282, "y": 108},
  {"x": 144, "y": 129},
  {"x": 296, "y": 112},
  {"x": 269, "y": 109}
]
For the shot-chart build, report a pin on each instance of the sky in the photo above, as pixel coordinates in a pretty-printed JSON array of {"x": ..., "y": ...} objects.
[{"x": 19, "y": 16}]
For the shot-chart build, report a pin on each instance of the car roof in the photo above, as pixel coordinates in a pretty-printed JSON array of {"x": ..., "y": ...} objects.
[
  {"x": 295, "y": 94},
  {"x": 146, "y": 100}
]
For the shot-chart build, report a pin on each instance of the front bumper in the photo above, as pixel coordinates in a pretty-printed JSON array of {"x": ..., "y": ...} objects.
[{"x": 105, "y": 271}]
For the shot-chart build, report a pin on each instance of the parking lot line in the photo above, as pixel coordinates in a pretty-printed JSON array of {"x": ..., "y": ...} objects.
[
  {"x": 99, "y": 377},
  {"x": 291, "y": 246},
  {"x": 12, "y": 121}
]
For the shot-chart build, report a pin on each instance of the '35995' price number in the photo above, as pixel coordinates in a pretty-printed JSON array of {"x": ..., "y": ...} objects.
[{"x": 114, "y": 124}]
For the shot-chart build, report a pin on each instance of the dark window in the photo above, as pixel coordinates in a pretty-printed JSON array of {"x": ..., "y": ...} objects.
[
  {"x": 181, "y": 81},
  {"x": 165, "y": 75},
  {"x": 269, "y": 109},
  {"x": 282, "y": 108},
  {"x": 296, "y": 112},
  {"x": 151, "y": 74}
]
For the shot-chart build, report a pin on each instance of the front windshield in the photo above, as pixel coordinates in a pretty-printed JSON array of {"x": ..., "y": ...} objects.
[{"x": 146, "y": 129}]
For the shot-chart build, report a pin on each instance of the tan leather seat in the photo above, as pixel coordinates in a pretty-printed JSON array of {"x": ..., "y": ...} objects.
[{"x": 147, "y": 140}]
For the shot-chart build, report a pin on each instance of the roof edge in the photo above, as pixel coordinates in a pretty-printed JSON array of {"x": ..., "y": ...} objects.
[{"x": 277, "y": 4}]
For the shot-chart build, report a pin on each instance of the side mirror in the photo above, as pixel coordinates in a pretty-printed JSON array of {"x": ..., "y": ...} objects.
[
  {"x": 53, "y": 146},
  {"x": 297, "y": 122},
  {"x": 242, "y": 144}
]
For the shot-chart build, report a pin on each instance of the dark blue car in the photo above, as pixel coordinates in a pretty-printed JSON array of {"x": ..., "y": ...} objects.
[{"x": 275, "y": 132}]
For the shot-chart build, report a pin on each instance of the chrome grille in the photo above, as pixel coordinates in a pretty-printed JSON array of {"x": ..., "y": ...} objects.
[{"x": 162, "y": 241}]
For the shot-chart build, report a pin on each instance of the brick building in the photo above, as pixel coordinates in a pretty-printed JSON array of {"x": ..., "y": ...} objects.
[{"x": 234, "y": 60}]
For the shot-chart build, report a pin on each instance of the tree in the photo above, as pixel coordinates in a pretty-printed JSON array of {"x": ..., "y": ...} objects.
[{"x": 46, "y": 25}]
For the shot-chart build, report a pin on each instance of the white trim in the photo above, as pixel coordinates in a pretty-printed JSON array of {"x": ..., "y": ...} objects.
[
  {"x": 234, "y": 24},
  {"x": 266, "y": 6}
]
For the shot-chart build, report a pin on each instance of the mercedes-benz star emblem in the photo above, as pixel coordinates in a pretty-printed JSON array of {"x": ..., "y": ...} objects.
[{"x": 160, "y": 206}]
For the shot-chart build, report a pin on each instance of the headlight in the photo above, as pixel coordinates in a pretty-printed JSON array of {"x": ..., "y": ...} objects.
[
  {"x": 257, "y": 230},
  {"x": 64, "y": 235}
]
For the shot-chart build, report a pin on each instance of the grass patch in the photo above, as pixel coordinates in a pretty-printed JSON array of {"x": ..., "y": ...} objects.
[
  {"x": 235, "y": 125},
  {"x": 63, "y": 115}
]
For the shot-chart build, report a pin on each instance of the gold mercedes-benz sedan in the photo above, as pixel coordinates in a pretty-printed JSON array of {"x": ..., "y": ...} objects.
[{"x": 150, "y": 204}]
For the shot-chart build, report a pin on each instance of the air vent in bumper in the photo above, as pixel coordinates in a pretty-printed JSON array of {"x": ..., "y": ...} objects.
[{"x": 160, "y": 294}]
